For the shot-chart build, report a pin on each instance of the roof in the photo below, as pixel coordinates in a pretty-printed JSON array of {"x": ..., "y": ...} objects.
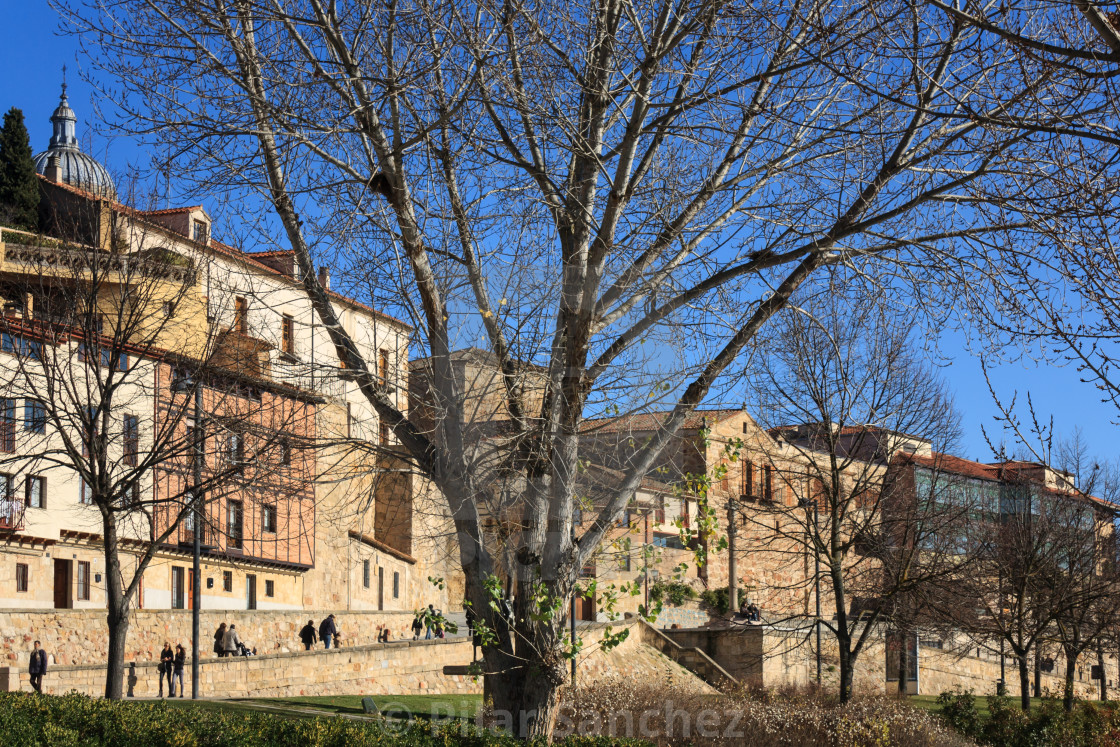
[
  {"x": 379, "y": 545},
  {"x": 650, "y": 421},
  {"x": 172, "y": 211},
  {"x": 479, "y": 357},
  {"x": 247, "y": 257}
]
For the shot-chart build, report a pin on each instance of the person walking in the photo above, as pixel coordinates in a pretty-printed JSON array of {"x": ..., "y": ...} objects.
[
  {"x": 219, "y": 640},
  {"x": 327, "y": 631},
  {"x": 37, "y": 667},
  {"x": 180, "y": 661},
  {"x": 430, "y": 621},
  {"x": 166, "y": 665},
  {"x": 231, "y": 642},
  {"x": 307, "y": 635},
  {"x": 417, "y": 627}
]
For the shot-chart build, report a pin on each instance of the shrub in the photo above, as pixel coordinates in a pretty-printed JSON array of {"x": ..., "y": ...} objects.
[
  {"x": 959, "y": 708},
  {"x": 717, "y": 599},
  {"x": 759, "y": 718},
  {"x": 74, "y": 720},
  {"x": 672, "y": 593}
]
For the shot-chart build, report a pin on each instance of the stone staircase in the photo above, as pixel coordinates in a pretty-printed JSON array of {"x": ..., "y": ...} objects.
[{"x": 692, "y": 659}]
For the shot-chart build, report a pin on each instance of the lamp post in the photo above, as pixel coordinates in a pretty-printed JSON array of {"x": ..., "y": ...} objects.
[{"x": 184, "y": 384}]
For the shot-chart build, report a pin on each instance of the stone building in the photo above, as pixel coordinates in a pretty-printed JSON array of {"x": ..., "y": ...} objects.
[{"x": 312, "y": 520}]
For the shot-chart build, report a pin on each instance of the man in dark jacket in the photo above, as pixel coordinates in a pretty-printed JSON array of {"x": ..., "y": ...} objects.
[
  {"x": 307, "y": 635},
  {"x": 327, "y": 631},
  {"x": 38, "y": 667}
]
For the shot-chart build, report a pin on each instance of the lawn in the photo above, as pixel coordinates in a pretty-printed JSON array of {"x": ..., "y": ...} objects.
[
  {"x": 393, "y": 706},
  {"x": 929, "y": 703}
]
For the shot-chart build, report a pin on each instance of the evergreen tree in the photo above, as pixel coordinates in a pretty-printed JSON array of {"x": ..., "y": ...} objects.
[{"x": 19, "y": 189}]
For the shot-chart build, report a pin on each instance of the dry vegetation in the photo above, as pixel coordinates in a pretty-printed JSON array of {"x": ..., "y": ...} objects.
[{"x": 761, "y": 718}]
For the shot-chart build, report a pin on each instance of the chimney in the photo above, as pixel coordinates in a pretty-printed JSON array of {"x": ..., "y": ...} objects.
[
  {"x": 325, "y": 277},
  {"x": 53, "y": 172}
]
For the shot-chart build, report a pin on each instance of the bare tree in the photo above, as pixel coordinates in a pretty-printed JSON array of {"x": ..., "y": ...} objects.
[
  {"x": 567, "y": 184},
  {"x": 104, "y": 349},
  {"x": 843, "y": 389}
]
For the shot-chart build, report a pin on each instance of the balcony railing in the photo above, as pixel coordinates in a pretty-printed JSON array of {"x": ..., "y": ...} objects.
[{"x": 11, "y": 515}]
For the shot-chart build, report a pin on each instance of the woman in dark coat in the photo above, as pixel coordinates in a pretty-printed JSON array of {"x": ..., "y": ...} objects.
[
  {"x": 219, "y": 636},
  {"x": 307, "y": 635},
  {"x": 180, "y": 662},
  {"x": 166, "y": 660}
]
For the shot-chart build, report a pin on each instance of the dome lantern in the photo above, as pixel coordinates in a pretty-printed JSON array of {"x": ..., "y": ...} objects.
[{"x": 64, "y": 160}]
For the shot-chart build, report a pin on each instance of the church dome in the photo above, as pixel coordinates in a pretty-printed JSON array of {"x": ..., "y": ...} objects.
[{"x": 74, "y": 167}]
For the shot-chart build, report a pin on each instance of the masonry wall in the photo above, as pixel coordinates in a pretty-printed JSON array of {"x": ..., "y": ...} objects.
[
  {"x": 73, "y": 637},
  {"x": 401, "y": 667}
]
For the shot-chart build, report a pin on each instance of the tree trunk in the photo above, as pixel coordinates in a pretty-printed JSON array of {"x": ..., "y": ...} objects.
[
  {"x": 1067, "y": 691},
  {"x": 1038, "y": 672},
  {"x": 1103, "y": 681},
  {"x": 903, "y": 661},
  {"x": 847, "y": 665},
  {"x": 1024, "y": 683},
  {"x": 117, "y": 614},
  {"x": 527, "y": 697}
]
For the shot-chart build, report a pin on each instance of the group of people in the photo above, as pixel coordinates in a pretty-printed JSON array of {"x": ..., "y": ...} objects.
[
  {"x": 432, "y": 619},
  {"x": 171, "y": 665},
  {"x": 327, "y": 633},
  {"x": 750, "y": 611},
  {"x": 228, "y": 643}
]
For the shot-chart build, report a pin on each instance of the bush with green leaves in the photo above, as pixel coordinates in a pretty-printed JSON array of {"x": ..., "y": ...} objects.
[
  {"x": 673, "y": 593},
  {"x": 959, "y": 709},
  {"x": 716, "y": 599},
  {"x": 28, "y": 720}
]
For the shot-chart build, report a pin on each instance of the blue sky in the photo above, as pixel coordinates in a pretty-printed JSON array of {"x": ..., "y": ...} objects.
[{"x": 32, "y": 58}]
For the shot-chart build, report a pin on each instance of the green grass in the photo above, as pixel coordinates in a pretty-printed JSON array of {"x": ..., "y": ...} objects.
[
  {"x": 929, "y": 703},
  {"x": 394, "y": 706}
]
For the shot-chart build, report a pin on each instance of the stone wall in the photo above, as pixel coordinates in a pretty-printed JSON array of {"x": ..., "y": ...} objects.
[
  {"x": 75, "y": 637},
  {"x": 396, "y": 668},
  {"x": 379, "y": 669},
  {"x": 940, "y": 670},
  {"x": 765, "y": 656}
]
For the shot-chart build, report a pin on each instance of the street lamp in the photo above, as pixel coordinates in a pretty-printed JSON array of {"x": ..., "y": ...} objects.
[{"x": 184, "y": 384}]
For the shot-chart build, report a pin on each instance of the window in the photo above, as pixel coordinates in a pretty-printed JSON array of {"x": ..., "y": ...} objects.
[
  {"x": 200, "y": 232},
  {"x": 768, "y": 483},
  {"x": 365, "y": 573},
  {"x": 241, "y": 315},
  {"x": 21, "y": 577},
  {"x": 269, "y": 587},
  {"x": 624, "y": 560},
  {"x": 659, "y": 512},
  {"x": 236, "y": 448},
  {"x": 168, "y": 309},
  {"x": 396, "y": 585},
  {"x": 285, "y": 452},
  {"x": 132, "y": 495},
  {"x": 35, "y": 416},
  {"x": 746, "y": 489},
  {"x": 7, "y": 425},
  {"x": 227, "y": 580},
  {"x": 7, "y": 486},
  {"x": 178, "y": 588},
  {"x": 35, "y": 491},
  {"x": 383, "y": 364},
  {"x": 83, "y": 580},
  {"x": 109, "y": 357},
  {"x": 131, "y": 439},
  {"x": 85, "y": 493},
  {"x": 268, "y": 518},
  {"x": 383, "y": 434},
  {"x": 349, "y": 421},
  {"x": 18, "y": 345},
  {"x": 684, "y": 513},
  {"x": 287, "y": 335},
  {"x": 234, "y": 524}
]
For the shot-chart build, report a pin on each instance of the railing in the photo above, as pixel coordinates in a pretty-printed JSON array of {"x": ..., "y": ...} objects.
[
  {"x": 11, "y": 514},
  {"x": 167, "y": 266}
]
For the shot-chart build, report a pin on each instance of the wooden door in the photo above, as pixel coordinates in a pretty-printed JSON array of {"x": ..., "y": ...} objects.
[
  {"x": 63, "y": 591},
  {"x": 251, "y": 590},
  {"x": 380, "y": 588}
]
